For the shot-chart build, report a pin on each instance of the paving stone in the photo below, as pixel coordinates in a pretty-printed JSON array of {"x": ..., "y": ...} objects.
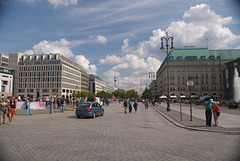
[{"x": 140, "y": 136}]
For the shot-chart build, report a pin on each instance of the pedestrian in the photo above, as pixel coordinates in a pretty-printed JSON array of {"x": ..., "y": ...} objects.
[
  {"x": 12, "y": 110},
  {"x": 62, "y": 100},
  {"x": 208, "y": 112},
  {"x": 28, "y": 105},
  {"x": 135, "y": 105},
  {"x": 59, "y": 102},
  {"x": 47, "y": 101},
  {"x": 3, "y": 110},
  {"x": 215, "y": 110},
  {"x": 146, "y": 104},
  {"x": 125, "y": 106},
  {"x": 51, "y": 102},
  {"x": 130, "y": 105}
]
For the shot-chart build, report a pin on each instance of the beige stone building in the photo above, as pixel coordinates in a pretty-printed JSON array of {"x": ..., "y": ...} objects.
[
  {"x": 47, "y": 74},
  {"x": 202, "y": 66}
]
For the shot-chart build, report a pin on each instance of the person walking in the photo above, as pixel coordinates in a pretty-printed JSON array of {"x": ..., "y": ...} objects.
[
  {"x": 51, "y": 102},
  {"x": 28, "y": 105},
  {"x": 208, "y": 112},
  {"x": 146, "y": 104},
  {"x": 130, "y": 105},
  {"x": 12, "y": 110},
  {"x": 3, "y": 110},
  {"x": 135, "y": 105},
  {"x": 59, "y": 102},
  {"x": 215, "y": 110},
  {"x": 62, "y": 100},
  {"x": 125, "y": 106}
]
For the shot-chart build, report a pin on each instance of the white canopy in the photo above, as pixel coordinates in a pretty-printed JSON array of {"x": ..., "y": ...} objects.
[{"x": 163, "y": 96}]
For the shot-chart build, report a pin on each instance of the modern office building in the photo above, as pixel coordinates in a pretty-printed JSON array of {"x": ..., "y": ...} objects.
[
  {"x": 46, "y": 75},
  {"x": 97, "y": 84},
  {"x": 6, "y": 78},
  {"x": 4, "y": 60},
  {"x": 153, "y": 88},
  {"x": 202, "y": 66}
]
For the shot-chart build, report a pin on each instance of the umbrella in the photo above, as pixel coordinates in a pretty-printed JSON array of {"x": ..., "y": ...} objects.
[{"x": 163, "y": 96}]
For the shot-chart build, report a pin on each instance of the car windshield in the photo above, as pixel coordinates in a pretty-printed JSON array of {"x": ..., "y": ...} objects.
[{"x": 84, "y": 105}]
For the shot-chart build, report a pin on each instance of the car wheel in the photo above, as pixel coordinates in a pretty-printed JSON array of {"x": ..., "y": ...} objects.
[
  {"x": 78, "y": 116},
  {"x": 94, "y": 115},
  {"x": 102, "y": 113}
]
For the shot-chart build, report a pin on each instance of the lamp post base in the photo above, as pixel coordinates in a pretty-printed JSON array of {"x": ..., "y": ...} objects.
[{"x": 168, "y": 106}]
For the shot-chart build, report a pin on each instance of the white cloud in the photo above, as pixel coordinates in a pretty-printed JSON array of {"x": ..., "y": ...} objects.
[
  {"x": 101, "y": 39},
  {"x": 198, "y": 23},
  {"x": 65, "y": 3},
  {"x": 110, "y": 59},
  {"x": 91, "y": 69},
  {"x": 61, "y": 47}
]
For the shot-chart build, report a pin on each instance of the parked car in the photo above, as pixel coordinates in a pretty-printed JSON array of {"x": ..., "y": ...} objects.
[{"x": 89, "y": 109}]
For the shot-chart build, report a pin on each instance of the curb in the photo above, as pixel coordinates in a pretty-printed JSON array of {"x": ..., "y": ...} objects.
[{"x": 178, "y": 124}]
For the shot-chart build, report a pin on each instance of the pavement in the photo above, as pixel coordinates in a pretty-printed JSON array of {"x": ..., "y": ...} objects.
[
  {"x": 229, "y": 120},
  {"x": 138, "y": 136}
]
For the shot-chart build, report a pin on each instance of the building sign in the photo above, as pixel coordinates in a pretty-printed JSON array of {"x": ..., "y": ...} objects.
[
  {"x": 33, "y": 105},
  {"x": 190, "y": 83}
]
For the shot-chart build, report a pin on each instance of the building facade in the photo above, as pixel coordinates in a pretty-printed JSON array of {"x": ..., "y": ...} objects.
[
  {"x": 153, "y": 88},
  {"x": 97, "y": 84},
  {"x": 202, "y": 66},
  {"x": 6, "y": 78},
  {"x": 47, "y": 74}
]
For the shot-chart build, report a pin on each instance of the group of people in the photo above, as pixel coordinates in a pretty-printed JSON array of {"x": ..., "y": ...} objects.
[
  {"x": 130, "y": 105},
  {"x": 212, "y": 108},
  {"x": 7, "y": 107}
]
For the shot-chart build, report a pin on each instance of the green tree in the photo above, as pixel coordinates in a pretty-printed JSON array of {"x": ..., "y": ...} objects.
[
  {"x": 118, "y": 93},
  {"x": 146, "y": 94},
  {"x": 103, "y": 94},
  {"x": 78, "y": 94},
  {"x": 90, "y": 94},
  {"x": 131, "y": 94},
  {"x": 83, "y": 94},
  {"x": 74, "y": 94}
]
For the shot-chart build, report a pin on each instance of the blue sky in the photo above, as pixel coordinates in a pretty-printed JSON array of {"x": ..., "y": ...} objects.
[{"x": 116, "y": 38}]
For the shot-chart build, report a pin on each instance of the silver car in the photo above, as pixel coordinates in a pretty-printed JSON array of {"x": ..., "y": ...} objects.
[{"x": 89, "y": 109}]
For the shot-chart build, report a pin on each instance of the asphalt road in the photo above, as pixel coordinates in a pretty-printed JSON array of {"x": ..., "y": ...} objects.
[{"x": 144, "y": 135}]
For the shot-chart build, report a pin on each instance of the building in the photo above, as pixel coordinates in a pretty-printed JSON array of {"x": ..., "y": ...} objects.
[
  {"x": 4, "y": 60},
  {"x": 97, "y": 84},
  {"x": 6, "y": 78},
  {"x": 47, "y": 74},
  {"x": 202, "y": 66},
  {"x": 153, "y": 88},
  {"x": 232, "y": 80}
]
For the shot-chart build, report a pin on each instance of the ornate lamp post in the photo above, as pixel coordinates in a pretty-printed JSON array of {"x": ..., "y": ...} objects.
[{"x": 166, "y": 38}]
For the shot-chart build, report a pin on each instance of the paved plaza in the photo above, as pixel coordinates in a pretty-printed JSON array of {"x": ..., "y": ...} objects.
[{"x": 144, "y": 135}]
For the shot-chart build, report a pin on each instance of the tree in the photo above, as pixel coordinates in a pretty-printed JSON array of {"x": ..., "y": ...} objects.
[
  {"x": 78, "y": 94},
  {"x": 131, "y": 94},
  {"x": 74, "y": 94},
  {"x": 146, "y": 94},
  {"x": 103, "y": 94},
  {"x": 118, "y": 93}
]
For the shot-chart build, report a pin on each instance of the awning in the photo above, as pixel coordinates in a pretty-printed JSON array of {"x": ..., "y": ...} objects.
[
  {"x": 182, "y": 96},
  {"x": 163, "y": 96},
  {"x": 173, "y": 96},
  {"x": 193, "y": 96}
]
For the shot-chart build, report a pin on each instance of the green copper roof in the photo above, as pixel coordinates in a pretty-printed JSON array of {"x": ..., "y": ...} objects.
[{"x": 201, "y": 53}]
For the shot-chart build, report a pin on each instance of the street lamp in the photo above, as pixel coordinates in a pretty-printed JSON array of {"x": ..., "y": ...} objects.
[
  {"x": 166, "y": 38},
  {"x": 115, "y": 80}
]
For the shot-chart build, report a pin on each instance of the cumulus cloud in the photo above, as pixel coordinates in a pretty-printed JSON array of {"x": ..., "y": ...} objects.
[
  {"x": 101, "y": 39},
  {"x": 197, "y": 24},
  {"x": 46, "y": 47},
  {"x": 66, "y": 3},
  {"x": 91, "y": 69},
  {"x": 62, "y": 47}
]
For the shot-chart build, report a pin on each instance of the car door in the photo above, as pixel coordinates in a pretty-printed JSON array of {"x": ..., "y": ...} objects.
[{"x": 94, "y": 108}]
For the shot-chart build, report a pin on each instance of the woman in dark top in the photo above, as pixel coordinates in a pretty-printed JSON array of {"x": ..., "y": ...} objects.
[{"x": 12, "y": 110}]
